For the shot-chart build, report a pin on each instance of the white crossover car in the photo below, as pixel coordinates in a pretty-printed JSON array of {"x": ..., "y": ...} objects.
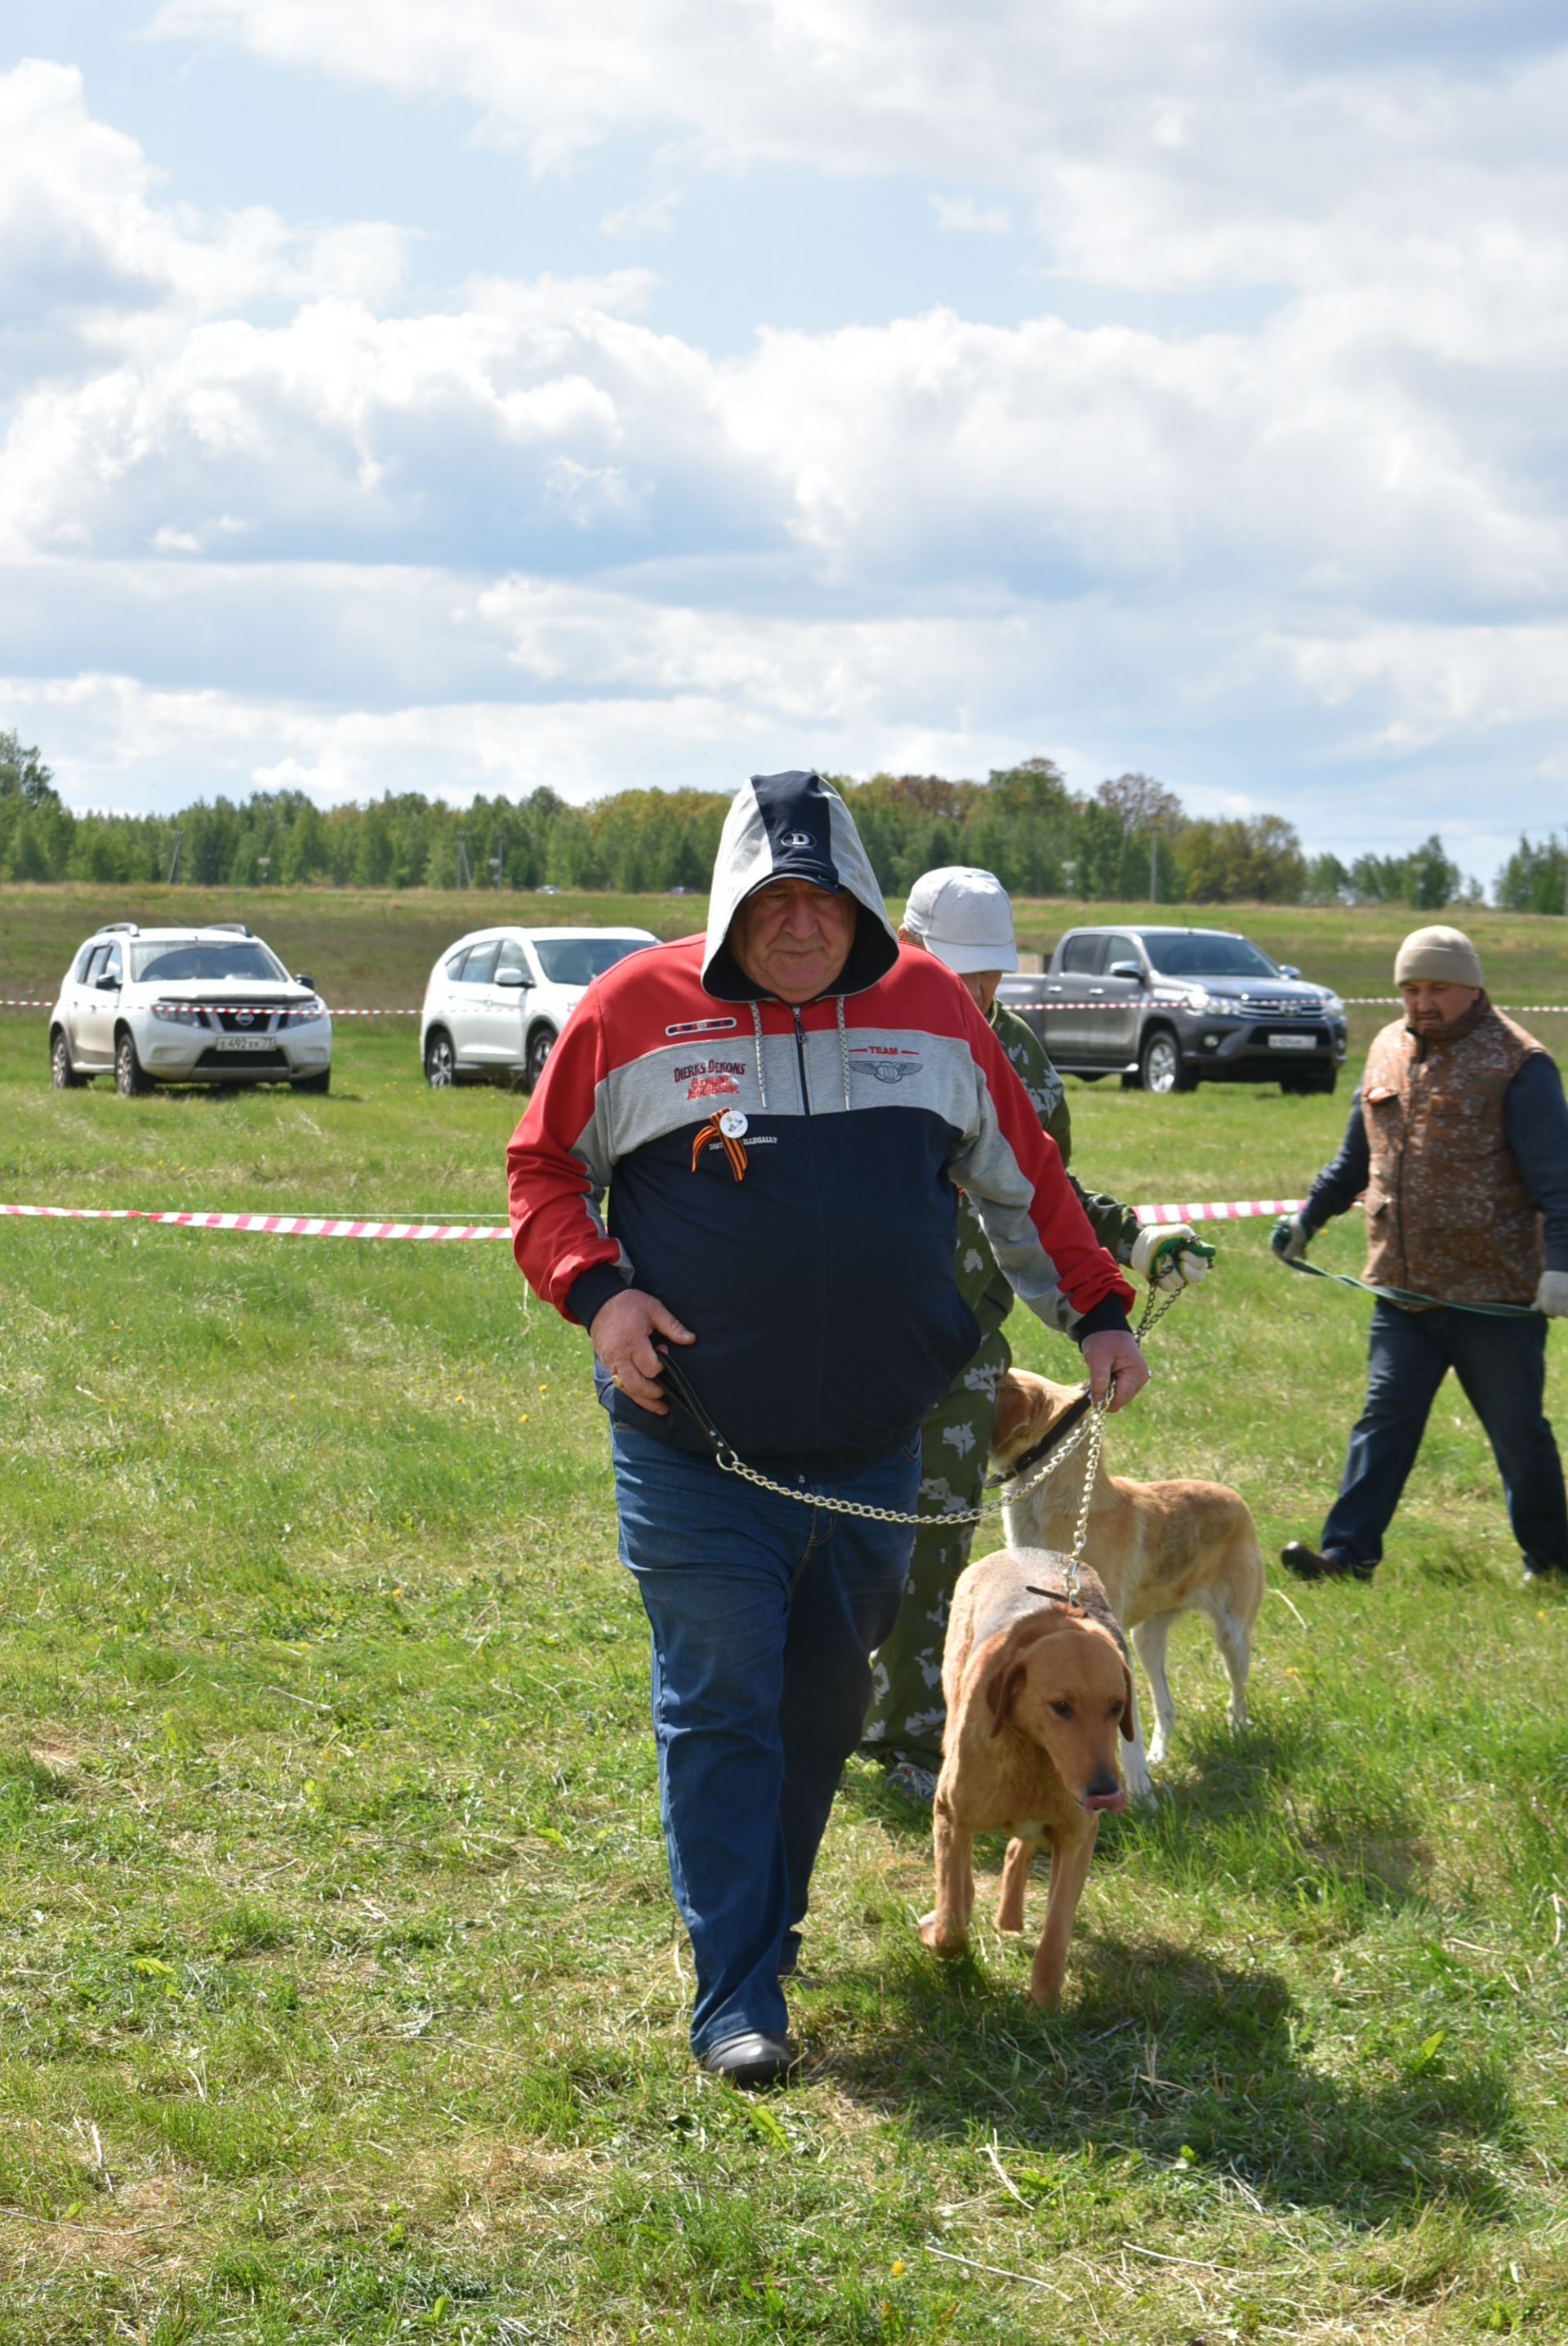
[
  {"x": 498, "y": 999},
  {"x": 210, "y": 1005}
]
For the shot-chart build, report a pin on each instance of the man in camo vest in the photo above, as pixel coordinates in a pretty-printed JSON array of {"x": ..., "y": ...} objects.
[
  {"x": 962, "y": 916},
  {"x": 1458, "y": 1138}
]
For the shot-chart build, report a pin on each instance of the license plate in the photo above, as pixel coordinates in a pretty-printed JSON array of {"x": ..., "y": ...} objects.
[
  {"x": 244, "y": 1042},
  {"x": 1293, "y": 1043}
]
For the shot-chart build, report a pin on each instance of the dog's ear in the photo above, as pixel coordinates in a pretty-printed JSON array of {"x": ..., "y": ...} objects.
[
  {"x": 1000, "y": 1692},
  {"x": 1128, "y": 1730},
  {"x": 1019, "y": 1406}
]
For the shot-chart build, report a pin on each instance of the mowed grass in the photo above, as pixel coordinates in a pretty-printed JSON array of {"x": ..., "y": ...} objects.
[{"x": 342, "y": 1999}]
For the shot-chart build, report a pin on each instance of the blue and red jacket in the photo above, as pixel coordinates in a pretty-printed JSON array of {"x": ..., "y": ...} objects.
[{"x": 811, "y": 1252}]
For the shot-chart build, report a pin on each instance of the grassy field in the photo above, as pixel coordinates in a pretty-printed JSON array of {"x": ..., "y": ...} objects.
[
  {"x": 374, "y": 948},
  {"x": 342, "y": 1998}
]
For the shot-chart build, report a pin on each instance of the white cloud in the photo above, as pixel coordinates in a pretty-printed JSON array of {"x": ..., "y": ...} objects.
[
  {"x": 1214, "y": 143},
  {"x": 94, "y": 259},
  {"x": 651, "y": 215},
  {"x": 267, "y": 510},
  {"x": 965, "y": 215}
]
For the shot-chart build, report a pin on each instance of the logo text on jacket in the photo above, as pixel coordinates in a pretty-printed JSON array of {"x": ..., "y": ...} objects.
[{"x": 885, "y": 1063}]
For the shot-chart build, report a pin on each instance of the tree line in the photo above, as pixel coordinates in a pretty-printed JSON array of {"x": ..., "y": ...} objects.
[{"x": 1131, "y": 840}]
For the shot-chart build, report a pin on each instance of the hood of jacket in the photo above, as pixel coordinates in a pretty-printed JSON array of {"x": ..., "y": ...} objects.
[{"x": 793, "y": 827}]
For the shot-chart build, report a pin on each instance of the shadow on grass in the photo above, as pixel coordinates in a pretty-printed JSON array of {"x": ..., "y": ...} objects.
[
  {"x": 1271, "y": 1809},
  {"x": 1186, "y": 2062}
]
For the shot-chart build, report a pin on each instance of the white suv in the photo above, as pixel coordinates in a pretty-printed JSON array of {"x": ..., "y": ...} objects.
[
  {"x": 207, "y": 1005},
  {"x": 498, "y": 999}
]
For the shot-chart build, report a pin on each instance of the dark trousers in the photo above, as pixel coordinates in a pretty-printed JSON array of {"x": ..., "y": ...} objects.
[
  {"x": 763, "y": 1614},
  {"x": 1500, "y": 1365}
]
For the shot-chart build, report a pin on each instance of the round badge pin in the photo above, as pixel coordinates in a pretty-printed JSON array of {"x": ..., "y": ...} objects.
[{"x": 732, "y": 1124}]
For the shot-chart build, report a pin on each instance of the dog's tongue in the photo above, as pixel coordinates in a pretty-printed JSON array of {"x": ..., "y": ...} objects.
[{"x": 1116, "y": 1800}]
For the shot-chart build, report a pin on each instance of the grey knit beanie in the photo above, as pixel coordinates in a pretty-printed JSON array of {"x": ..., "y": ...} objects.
[{"x": 1442, "y": 956}]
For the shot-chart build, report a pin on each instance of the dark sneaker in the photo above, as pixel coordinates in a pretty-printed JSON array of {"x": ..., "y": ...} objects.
[
  {"x": 1545, "y": 1575},
  {"x": 1308, "y": 1564},
  {"x": 753, "y": 2060}
]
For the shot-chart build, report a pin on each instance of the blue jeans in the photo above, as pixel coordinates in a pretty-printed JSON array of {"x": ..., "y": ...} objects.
[
  {"x": 1500, "y": 1365},
  {"x": 763, "y": 1614}
]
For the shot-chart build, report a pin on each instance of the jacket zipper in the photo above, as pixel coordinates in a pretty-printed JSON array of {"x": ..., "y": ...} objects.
[
  {"x": 800, "y": 1057},
  {"x": 806, "y": 1111}
]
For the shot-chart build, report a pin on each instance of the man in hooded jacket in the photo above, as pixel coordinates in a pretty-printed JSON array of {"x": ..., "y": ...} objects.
[{"x": 780, "y": 1112}]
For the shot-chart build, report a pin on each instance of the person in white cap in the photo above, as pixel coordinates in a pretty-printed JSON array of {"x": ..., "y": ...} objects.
[
  {"x": 1458, "y": 1140},
  {"x": 963, "y": 918},
  {"x": 737, "y": 1175}
]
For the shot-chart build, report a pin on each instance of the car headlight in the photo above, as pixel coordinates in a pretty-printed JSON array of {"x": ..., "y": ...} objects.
[
  {"x": 179, "y": 1014},
  {"x": 303, "y": 1013},
  {"x": 1212, "y": 1006},
  {"x": 1332, "y": 1006}
]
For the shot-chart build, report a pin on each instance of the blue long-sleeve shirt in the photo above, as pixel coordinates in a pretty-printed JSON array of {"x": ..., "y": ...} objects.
[{"x": 1536, "y": 1126}]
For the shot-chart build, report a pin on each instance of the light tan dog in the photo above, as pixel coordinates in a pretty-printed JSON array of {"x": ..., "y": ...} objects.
[
  {"x": 1161, "y": 1549},
  {"x": 1037, "y": 1693}
]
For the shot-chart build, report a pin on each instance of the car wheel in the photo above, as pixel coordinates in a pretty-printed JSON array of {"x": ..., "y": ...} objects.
[
  {"x": 321, "y": 1083},
  {"x": 540, "y": 1045},
  {"x": 1308, "y": 1080},
  {"x": 129, "y": 1076},
  {"x": 1161, "y": 1067},
  {"x": 440, "y": 1060},
  {"x": 62, "y": 1075}
]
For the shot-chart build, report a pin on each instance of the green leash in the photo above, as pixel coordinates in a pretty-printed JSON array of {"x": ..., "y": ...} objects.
[{"x": 1401, "y": 1295}]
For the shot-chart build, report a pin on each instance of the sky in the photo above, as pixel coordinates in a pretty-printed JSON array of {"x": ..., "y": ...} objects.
[{"x": 657, "y": 392}]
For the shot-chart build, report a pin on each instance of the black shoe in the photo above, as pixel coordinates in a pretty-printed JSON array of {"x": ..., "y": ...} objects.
[
  {"x": 1545, "y": 1575},
  {"x": 751, "y": 2060},
  {"x": 1308, "y": 1564}
]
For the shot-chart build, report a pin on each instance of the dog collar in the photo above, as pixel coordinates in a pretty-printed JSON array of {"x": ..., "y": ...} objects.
[{"x": 1071, "y": 1416}]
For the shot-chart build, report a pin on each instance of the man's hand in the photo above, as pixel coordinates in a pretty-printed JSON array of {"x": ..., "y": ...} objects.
[
  {"x": 623, "y": 1330},
  {"x": 1170, "y": 1256},
  {"x": 1113, "y": 1353},
  {"x": 1552, "y": 1295},
  {"x": 1290, "y": 1238}
]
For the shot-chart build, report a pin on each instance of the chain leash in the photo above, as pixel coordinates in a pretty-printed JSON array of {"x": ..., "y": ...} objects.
[
  {"x": 1090, "y": 1432},
  {"x": 1095, "y": 1424}
]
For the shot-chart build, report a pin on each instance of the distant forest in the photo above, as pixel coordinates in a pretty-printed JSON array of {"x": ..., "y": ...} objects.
[{"x": 1022, "y": 822}]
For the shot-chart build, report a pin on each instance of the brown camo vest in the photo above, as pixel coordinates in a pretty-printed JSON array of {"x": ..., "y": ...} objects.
[{"x": 1448, "y": 1214}]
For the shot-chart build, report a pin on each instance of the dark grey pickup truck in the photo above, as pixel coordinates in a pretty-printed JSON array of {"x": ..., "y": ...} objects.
[{"x": 1168, "y": 1008}]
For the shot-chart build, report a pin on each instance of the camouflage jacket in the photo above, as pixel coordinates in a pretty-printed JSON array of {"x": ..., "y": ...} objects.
[{"x": 980, "y": 1283}]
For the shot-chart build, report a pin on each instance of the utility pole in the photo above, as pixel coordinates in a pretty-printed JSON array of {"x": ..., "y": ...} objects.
[
  {"x": 1153, "y": 863},
  {"x": 464, "y": 876},
  {"x": 496, "y": 862},
  {"x": 174, "y": 858}
]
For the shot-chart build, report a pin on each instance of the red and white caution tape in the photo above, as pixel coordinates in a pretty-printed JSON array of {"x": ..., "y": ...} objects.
[
  {"x": 1239, "y": 1210},
  {"x": 322, "y": 1226},
  {"x": 39, "y": 1002},
  {"x": 280, "y": 1225}
]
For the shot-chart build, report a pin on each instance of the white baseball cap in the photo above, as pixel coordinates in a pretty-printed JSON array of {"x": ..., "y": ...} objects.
[{"x": 964, "y": 916}]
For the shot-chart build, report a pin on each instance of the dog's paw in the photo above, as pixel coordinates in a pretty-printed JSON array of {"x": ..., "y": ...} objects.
[{"x": 949, "y": 1948}]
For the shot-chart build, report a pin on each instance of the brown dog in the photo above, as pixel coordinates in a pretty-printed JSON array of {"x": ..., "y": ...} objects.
[
  {"x": 1160, "y": 1548},
  {"x": 1036, "y": 1693}
]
